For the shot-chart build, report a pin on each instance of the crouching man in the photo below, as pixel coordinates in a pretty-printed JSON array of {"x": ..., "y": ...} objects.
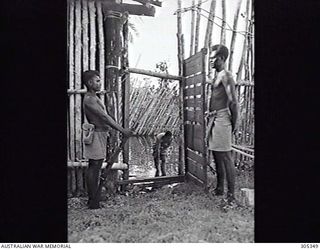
[{"x": 163, "y": 141}]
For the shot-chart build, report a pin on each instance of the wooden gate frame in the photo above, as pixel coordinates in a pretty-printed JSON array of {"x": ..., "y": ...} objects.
[{"x": 194, "y": 106}]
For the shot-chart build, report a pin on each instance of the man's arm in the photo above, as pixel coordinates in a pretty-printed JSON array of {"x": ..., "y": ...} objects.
[
  {"x": 229, "y": 86},
  {"x": 92, "y": 105}
]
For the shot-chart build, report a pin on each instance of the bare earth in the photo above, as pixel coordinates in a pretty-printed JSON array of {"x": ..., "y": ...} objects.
[{"x": 181, "y": 213}]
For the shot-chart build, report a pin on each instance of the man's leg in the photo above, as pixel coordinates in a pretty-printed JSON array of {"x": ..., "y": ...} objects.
[
  {"x": 218, "y": 158},
  {"x": 156, "y": 164},
  {"x": 163, "y": 165},
  {"x": 230, "y": 174},
  {"x": 92, "y": 179}
]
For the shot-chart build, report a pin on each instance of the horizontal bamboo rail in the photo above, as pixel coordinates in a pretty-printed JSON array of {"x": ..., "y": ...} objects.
[
  {"x": 154, "y": 74},
  {"x": 84, "y": 164},
  {"x": 82, "y": 91},
  {"x": 243, "y": 148},
  {"x": 243, "y": 153},
  {"x": 171, "y": 179}
]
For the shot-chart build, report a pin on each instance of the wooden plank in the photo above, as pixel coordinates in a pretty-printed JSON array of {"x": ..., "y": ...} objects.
[
  {"x": 199, "y": 144},
  {"x": 153, "y": 2},
  {"x": 193, "y": 80},
  {"x": 78, "y": 73},
  {"x": 188, "y": 128},
  {"x": 194, "y": 102},
  {"x": 195, "y": 156},
  {"x": 154, "y": 179},
  {"x": 195, "y": 169},
  {"x": 101, "y": 47},
  {"x": 194, "y": 179},
  {"x": 193, "y": 64},
  {"x": 71, "y": 81},
  {"x": 133, "y": 9},
  {"x": 195, "y": 116}
]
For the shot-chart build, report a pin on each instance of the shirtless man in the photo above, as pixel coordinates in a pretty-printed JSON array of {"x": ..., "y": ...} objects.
[
  {"x": 163, "y": 141},
  {"x": 222, "y": 115},
  {"x": 96, "y": 143}
]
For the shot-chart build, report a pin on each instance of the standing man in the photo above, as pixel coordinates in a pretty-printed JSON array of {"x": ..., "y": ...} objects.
[
  {"x": 163, "y": 141},
  {"x": 95, "y": 138},
  {"x": 222, "y": 120}
]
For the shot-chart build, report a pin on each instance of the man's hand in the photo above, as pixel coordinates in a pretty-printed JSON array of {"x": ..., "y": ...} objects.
[{"x": 234, "y": 126}]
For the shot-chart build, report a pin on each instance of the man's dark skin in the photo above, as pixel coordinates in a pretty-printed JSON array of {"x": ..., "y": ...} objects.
[
  {"x": 161, "y": 145},
  {"x": 224, "y": 96},
  {"x": 97, "y": 115}
]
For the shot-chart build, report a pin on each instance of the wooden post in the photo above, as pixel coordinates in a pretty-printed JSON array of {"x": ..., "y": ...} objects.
[
  {"x": 197, "y": 27},
  {"x": 78, "y": 101},
  {"x": 85, "y": 35},
  {"x": 181, "y": 84},
  {"x": 234, "y": 34},
  {"x": 208, "y": 37},
  {"x": 112, "y": 27},
  {"x": 125, "y": 81},
  {"x": 85, "y": 39},
  {"x": 192, "y": 28},
  {"x": 239, "y": 74},
  {"x": 92, "y": 16},
  {"x": 101, "y": 46},
  {"x": 71, "y": 80},
  {"x": 223, "y": 26}
]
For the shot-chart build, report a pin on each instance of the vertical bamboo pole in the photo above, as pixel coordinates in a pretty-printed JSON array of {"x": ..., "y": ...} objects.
[
  {"x": 125, "y": 80},
  {"x": 92, "y": 16},
  {"x": 247, "y": 56},
  {"x": 234, "y": 34},
  {"x": 85, "y": 39},
  {"x": 71, "y": 81},
  {"x": 181, "y": 90},
  {"x": 252, "y": 44},
  {"x": 112, "y": 30},
  {"x": 208, "y": 37},
  {"x": 192, "y": 28},
  {"x": 78, "y": 131},
  {"x": 223, "y": 26},
  {"x": 244, "y": 44},
  {"x": 197, "y": 27},
  {"x": 101, "y": 46}
]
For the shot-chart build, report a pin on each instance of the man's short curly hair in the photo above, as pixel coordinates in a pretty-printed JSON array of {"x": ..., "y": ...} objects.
[
  {"x": 221, "y": 50},
  {"x": 88, "y": 75}
]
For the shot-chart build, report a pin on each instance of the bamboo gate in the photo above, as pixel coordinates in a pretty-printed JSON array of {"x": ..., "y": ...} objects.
[{"x": 87, "y": 50}]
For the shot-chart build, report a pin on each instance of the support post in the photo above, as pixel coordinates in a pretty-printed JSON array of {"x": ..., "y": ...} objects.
[{"x": 112, "y": 29}]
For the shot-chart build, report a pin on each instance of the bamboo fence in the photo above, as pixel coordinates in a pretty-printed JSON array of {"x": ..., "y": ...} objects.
[
  {"x": 86, "y": 50},
  {"x": 151, "y": 110}
]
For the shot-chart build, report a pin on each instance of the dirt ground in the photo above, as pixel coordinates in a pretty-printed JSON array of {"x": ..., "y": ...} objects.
[{"x": 180, "y": 213}]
